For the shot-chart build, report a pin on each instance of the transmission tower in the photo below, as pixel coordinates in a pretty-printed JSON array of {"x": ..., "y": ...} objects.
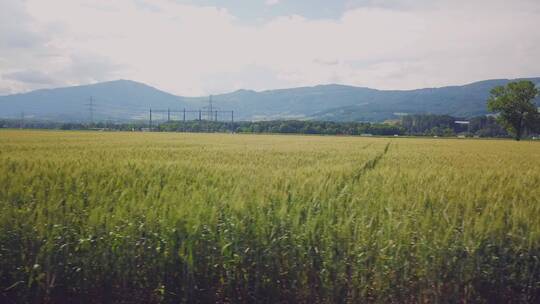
[
  {"x": 91, "y": 108},
  {"x": 211, "y": 111},
  {"x": 210, "y": 108}
]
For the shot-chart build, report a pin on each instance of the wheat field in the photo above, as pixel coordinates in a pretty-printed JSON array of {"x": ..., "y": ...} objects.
[{"x": 171, "y": 218}]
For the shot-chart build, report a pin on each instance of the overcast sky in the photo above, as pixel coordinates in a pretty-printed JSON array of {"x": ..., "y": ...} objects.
[{"x": 198, "y": 47}]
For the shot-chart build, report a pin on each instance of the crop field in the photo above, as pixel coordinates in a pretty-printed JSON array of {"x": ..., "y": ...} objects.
[{"x": 162, "y": 217}]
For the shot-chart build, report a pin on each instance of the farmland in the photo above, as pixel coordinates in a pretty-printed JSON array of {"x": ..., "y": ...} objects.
[{"x": 163, "y": 217}]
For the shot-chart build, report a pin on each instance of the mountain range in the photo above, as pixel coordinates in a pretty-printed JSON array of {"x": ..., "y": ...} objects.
[{"x": 123, "y": 100}]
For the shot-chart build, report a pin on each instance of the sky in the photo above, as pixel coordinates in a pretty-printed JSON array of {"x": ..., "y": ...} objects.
[{"x": 200, "y": 47}]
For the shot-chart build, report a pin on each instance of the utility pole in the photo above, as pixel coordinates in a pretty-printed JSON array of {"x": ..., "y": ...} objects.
[
  {"x": 150, "y": 122},
  {"x": 210, "y": 113},
  {"x": 232, "y": 121},
  {"x": 207, "y": 117}
]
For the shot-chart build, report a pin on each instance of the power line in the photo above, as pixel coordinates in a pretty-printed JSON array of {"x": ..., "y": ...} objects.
[{"x": 200, "y": 112}]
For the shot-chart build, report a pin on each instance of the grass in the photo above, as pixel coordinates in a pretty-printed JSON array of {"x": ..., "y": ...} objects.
[{"x": 157, "y": 217}]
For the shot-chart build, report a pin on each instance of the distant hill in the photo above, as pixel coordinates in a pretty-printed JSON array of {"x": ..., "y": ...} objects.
[
  {"x": 126, "y": 100},
  {"x": 460, "y": 101},
  {"x": 117, "y": 100}
]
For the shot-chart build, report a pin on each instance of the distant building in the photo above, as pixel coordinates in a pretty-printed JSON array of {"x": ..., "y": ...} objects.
[{"x": 400, "y": 114}]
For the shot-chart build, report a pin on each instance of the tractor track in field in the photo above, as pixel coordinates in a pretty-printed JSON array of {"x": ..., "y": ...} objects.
[{"x": 370, "y": 164}]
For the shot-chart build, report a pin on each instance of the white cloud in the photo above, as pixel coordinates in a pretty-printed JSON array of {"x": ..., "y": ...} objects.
[
  {"x": 192, "y": 50},
  {"x": 271, "y": 2}
]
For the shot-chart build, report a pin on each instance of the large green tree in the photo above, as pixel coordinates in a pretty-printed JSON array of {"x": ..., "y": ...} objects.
[{"x": 515, "y": 105}]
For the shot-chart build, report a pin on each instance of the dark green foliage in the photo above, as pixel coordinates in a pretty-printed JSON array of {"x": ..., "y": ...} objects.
[
  {"x": 487, "y": 126},
  {"x": 428, "y": 124},
  {"x": 515, "y": 106},
  {"x": 286, "y": 127},
  {"x": 444, "y": 125},
  {"x": 275, "y": 126},
  {"x": 417, "y": 125}
]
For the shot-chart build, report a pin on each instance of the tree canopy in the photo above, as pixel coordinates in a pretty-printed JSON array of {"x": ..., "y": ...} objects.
[{"x": 515, "y": 106}]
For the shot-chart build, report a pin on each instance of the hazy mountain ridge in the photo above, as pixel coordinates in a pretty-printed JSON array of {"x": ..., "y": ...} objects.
[
  {"x": 120, "y": 99},
  {"x": 125, "y": 100}
]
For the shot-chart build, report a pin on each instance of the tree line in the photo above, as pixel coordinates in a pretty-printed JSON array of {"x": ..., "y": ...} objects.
[
  {"x": 446, "y": 125},
  {"x": 413, "y": 125}
]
